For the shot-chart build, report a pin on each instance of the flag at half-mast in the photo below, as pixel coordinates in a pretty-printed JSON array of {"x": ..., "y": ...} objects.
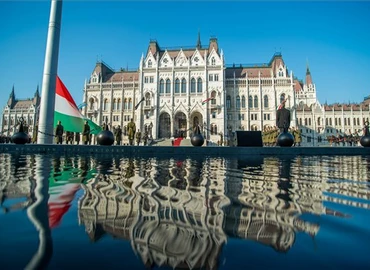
[
  {"x": 68, "y": 113},
  {"x": 207, "y": 100}
]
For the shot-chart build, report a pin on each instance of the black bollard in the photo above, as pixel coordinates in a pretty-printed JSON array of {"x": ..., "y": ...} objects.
[
  {"x": 105, "y": 137},
  {"x": 285, "y": 139},
  {"x": 197, "y": 139},
  {"x": 365, "y": 139},
  {"x": 20, "y": 137}
]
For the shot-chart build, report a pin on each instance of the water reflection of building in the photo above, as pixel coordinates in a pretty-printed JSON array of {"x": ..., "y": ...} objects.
[
  {"x": 18, "y": 182},
  {"x": 167, "y": 222},
  {"x": 181, "y": 212}
]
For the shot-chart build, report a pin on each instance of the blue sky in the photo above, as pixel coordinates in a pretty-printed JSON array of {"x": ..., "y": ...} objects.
[{"x": 333, "y": 36}]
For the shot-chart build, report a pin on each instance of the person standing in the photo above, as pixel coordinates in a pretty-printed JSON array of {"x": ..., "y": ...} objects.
[
  {"x": 59, "y": 132},
  {"x": 283, "y": 117},
  {"x": 138, "y": 137},
  {"x": 77, "y": 137},
  {"x": 118, "y": 135},
  {"x": 86, "y": 133},
  {"x": 131, "y": 127},
  {"x": 145, "y": 137}
]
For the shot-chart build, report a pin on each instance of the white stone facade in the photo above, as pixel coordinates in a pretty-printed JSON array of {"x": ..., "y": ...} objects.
[{"x": 20, "y": 109}]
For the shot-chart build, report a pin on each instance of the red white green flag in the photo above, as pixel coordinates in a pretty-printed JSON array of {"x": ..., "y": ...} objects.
[{"x": 68, "y": 113}]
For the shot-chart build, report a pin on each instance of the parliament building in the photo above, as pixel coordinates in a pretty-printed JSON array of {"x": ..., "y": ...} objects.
[{"x": 175, "y": 89}]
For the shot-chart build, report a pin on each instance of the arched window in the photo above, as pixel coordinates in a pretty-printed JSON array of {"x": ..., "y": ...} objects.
[
  {"x": 200, "y": 85},
  {"x": 119, "y": 104},
  {"x": 91, "y": 104},
  {"x": 161, "y": 86},
  {"x": 150, "y": 63},
  {"x": 213, "y": 61},
  {"x": 250, "y": 102},
  {"x": 228, "y": 102},
  {"x": 130, "y": 104},
  {"x": 255, "y": 101},
  {"x": 183, "y": 85},
  {"x": 168, "y": 86},
  {"x": 125, "y": 104},
  {"x": 282, "y": 97},
  {"x": 265, "y": 101},
  {"x": 147, "y": 99},
  {"x": 177, "y": 86},
  {"x": 238, "y": 102},
  {"x": 318, "y": 121},
  {"x": 114, "y": 104},
  {"x": 243, "y": 102},
  {"x": 105, "y": 104},
  {"x": 192, "y": 85},
  {"x": 213, "y": 96}
]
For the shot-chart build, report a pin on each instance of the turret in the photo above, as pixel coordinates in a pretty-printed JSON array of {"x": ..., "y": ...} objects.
[
  {"x": 36, "y": 97},
  {"x": 199, "y": 45},
  {"x": 11, "y": 99},
  {"x": 213, "y": 44},
  {"x": 308, "y": 76}
]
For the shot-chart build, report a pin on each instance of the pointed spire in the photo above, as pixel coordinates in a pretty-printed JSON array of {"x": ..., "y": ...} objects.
[
  {"x": 37, "y": 94},
  {"x": 308, "y": 75},
  {"x": 199, "y": 45},
  {"x": 12, "y": 95},
  {"x": 307, "y": 68}
]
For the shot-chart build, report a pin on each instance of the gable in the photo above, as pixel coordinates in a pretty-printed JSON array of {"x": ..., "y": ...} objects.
[
  {"x": 166, "y": 60},
  {"x": 197, "y": 59}
]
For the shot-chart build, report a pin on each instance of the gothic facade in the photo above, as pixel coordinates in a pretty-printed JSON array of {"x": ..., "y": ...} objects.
[
  {"x": 175, "y": 89},
  {"x": 17, "y": 110}
]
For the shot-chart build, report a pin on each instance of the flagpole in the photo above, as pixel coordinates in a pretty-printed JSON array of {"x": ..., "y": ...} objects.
[{"x": 46, "y": 117}]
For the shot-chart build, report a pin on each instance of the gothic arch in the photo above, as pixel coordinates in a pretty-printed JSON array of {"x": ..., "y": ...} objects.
[{"x": 164, "y": 128}]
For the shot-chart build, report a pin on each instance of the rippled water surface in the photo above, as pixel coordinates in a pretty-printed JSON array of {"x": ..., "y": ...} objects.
[{"x": 104, "y": 212}]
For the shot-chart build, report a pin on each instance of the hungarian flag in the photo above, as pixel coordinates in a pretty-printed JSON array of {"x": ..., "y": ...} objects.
[
  {"x": 68, "y": 113},
  {"x": 206, "y": 100}
]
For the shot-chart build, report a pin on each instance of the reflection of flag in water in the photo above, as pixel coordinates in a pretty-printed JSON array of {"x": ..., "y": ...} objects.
[
  {"x": 60, "y": 201},
  {"x": 206, "y": 100},
  {"x": 68, "y": 113},
  {"x": 62, "y": 191}
]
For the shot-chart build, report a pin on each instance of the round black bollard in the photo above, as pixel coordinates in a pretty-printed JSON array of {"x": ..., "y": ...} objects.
[
  {"x": 365, "y": 139},
  {"x": 105, "y": 137},
  {"x": 197, "y": 139},
  {"x": 285, "y": 139},
  {"x": 20, "y": 137}
]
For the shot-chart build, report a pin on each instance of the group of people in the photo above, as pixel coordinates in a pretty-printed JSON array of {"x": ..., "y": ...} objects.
[
  {"x": 270, "y": 135},
  {"x": 72, "y": 137},
  {"x": 132, "y": 134},
  {"x": 352, "y": 139}
]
